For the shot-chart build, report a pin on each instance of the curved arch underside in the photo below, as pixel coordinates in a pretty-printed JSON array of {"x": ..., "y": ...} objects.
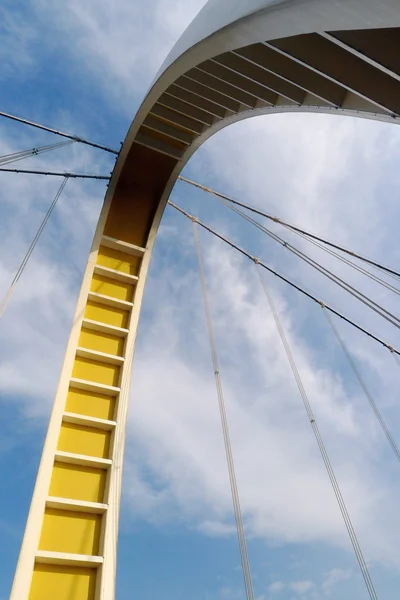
[
  {"x": 233, "y": 62},
  {"x": 352, "y": 72}
]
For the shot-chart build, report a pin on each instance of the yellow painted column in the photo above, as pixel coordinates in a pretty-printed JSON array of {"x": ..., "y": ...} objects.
[{"x": 70, "y": 542}]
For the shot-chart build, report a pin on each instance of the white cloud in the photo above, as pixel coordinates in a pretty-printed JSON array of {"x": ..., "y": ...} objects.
[
  {"x": 277, "y": 586},
  {"x": 174, "y": 430},
  {"x": 176, "y": 425},
  {"x": 37, "y": 320},
  {"x": 301, "y": 587},
  {"x": 298, "y": 587},
  {"x": 122, "y": 43},
  {"x": 333, "y": 577},
  {"x": 17, "y": 39},
  {"x": 337, "y": 177}
]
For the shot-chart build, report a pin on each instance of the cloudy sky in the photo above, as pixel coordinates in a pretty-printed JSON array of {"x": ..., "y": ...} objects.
[{"x": 84, "y": 68}]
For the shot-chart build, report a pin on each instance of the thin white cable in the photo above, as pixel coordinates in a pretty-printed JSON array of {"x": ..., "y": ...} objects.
[
  {"x": 7, "y": 297},
  {"x": 380, "y": 310},
  {"x": 15, "y": 156},
  {"x": 363, "y": 385},
  {"x": 225, "y": 430},
  {"x": 321, "y": 445}
]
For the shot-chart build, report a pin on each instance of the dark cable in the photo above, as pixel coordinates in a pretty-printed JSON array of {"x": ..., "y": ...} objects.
[
  {"x": 348, "y": 262},
  {"x": 395, "y": 356},
  {"x": 364, "y": 386},
  {"x": 329, "y": 274},
  {"x": 286, "y": 280},
  {"x": 288, "y": 225},
  {"x": 55, "y": 131},
  {"x": 56, "y": 174}
]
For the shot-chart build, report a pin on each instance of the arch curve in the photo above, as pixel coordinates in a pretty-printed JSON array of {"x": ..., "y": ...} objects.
[
  {"x": 263, "y": 57},
  {"x": 235, "y": 60}
]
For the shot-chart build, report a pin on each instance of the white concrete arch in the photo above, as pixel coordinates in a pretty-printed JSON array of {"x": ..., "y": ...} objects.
[{"x": 236, "y": 60}]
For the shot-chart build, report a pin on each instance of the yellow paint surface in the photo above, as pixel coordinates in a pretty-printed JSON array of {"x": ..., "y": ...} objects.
[
  {"x": 102, "y": 342},
  {"x": 120, "y": 261},
  {"x": 56, "y": 582},
  {"x": 84, "y": 440},
  {"x": 78, "y": 482},
  {"x": 92, "y": 370},
  {"x": 69, "y": 531},
  {"x": 106, "y": 314},
  {"x": 113, "y": 288},
  {"x": 90, "y": 404}
]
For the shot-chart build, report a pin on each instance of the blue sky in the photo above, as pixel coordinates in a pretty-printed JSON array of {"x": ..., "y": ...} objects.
[{"x": 84, "y": 68}]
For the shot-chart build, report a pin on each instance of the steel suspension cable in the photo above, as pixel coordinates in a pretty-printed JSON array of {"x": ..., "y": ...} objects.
[
  {"x": 15, "y": 156},
  {"x": 286, "y": 280},
  {"x": 288, "y": 225},
  {"x": 353, "y": 265},
  {"x": 225, "y": 430},
  {"x": 325, "y": 249},
  {"x": 340, "y": 500},
  {"x": 56, "y": 174},
  {"x": 368, "y": 273},
  {"x": 312, "y": 240},
  {"x": 380, "y": 310},
  {"x": 363, "y": 385},
  {"x": 7, "y": 297},
  {"x": 395, "y": 356},
  {"x": 57, "y": 132}
]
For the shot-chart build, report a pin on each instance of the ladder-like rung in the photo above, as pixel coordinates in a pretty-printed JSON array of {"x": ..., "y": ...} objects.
[
  {"x": 96, "y": 508},
  {"x": 115, "y": 244},
  {"x": 111, "y": 359},
  {"x": 92, "y": 386},
  {"x": 110, "y": 301},
  {"x": 105, "y": 328},
  {"x": 65, "y": 558},
  {"x": 158, "y": 145},
  {"x": 86, "y": 421},
  {"x": 116, "y": 275},
  {"x": 83, "y": 460}
]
